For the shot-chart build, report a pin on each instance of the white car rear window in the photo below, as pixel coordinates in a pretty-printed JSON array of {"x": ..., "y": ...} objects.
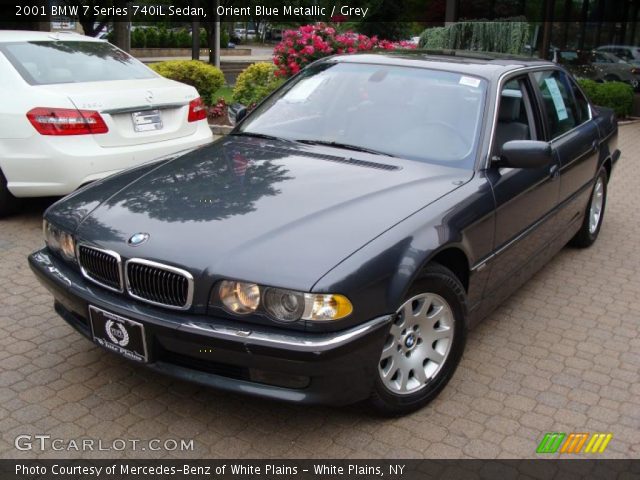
[{"x": 51, "y": 62}]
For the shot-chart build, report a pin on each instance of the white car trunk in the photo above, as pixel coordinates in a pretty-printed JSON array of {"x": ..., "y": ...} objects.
[{"x": 136, "y": 111}]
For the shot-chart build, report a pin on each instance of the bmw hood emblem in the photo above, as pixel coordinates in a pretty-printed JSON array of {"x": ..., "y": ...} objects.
[{"x": 138, "y": 239}]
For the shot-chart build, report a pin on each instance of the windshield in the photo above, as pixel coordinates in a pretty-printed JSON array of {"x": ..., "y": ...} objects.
[
  {"x": 411, "y": 113},
  {"x": 51, "y": 62}
]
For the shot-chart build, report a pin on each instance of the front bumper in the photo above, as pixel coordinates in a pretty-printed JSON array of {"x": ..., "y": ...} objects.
[{"x": 334, "y": 368}]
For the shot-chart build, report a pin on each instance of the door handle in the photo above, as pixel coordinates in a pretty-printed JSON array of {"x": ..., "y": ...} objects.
[
  {"x": 595, "y": 145},
  {"x": 554, "y": 171}
]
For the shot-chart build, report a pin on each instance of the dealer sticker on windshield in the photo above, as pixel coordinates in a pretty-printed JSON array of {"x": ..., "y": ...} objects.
[{"x": 469, "y": 81}]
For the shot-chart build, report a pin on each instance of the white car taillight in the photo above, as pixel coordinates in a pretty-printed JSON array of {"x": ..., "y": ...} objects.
[
  {"x": 66, "y": 121},
  {"x": 197, "y": 110}
]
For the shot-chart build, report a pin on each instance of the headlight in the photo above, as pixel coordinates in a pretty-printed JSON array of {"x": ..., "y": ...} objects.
[
  {"x": 284, "y": 305},
  {"x": 322, "y": 307},
  {"x": 51, "y": 237},
  {"x": 281, "y": 304},
  {"x": 240, "y": 297},
  {"x": 59, "y": 241}
]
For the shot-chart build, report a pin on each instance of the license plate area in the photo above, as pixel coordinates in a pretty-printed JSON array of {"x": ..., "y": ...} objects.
[
  {"x": 147, "y": 120},
  {"x": 120, "y": 335}
]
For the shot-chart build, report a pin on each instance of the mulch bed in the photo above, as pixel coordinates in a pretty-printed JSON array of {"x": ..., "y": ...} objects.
[{"x": 219, "y": 120}]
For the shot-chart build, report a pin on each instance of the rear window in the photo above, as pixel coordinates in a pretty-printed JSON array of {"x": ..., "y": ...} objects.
[{"x": 51, "y": 62}]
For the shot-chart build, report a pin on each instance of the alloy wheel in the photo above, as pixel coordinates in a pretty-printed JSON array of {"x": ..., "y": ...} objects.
[
  {"x": 595, "y": 210},
  {"x": 419, "y": 341}
]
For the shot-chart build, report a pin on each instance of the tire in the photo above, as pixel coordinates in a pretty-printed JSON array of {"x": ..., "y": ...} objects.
[
  {"x": 8, "y": 203},
  {"x": 436, "y": 295},
  {"x": 589, "y": 229},
  {"x": 611, "y": 78}
]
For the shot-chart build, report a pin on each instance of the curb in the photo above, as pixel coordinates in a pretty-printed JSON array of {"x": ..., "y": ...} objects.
[{"x": 220, "y": 129}]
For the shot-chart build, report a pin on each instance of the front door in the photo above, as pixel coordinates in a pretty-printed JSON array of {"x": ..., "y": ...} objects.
[{"x": 525, "y": 198}]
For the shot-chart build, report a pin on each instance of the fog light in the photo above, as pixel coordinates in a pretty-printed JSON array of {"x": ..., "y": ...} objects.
[{"x": 278, "y": 379}]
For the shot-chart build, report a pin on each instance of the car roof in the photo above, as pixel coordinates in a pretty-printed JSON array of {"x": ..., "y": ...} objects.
[
  {"x": 34, "y": 36},
  {"x": 617, "y": 46},
  {"x": 488, "y": 65}
]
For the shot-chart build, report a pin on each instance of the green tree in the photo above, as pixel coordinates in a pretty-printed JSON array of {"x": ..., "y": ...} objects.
[
  {"x": 163, "y": 37},
  {"x": 391, "y": 20},
  {"x": 153, "y": 38},
  {"x": 91, "y": 23},
  {"x": 385, "y": 20},
  {"x": 138, "y": 38},
  {"x": 183, "y": 39}
]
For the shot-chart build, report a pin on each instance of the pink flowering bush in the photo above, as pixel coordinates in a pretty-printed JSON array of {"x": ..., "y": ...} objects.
[
  {"x": 312, "y": 42},
  {"x": 219, "y": 109}
]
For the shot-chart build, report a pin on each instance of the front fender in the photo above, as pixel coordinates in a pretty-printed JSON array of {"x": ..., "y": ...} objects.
[{"x": 377, "y": 277}]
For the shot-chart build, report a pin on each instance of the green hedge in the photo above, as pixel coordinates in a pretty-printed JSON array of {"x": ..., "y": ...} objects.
[
  {"x": 615, "y": 95},
  {"x": 160, "y": 37},
  {"x": 255, "y": 83},
  {"x": 206, "y": 78},
  {"x": 503, "y": 37}
]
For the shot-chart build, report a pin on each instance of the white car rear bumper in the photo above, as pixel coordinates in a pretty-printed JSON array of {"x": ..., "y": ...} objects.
[{"x": 52, "y": 166}]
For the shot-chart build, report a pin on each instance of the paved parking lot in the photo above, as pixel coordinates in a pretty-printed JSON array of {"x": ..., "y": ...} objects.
[{"x": 563, "y": 354}]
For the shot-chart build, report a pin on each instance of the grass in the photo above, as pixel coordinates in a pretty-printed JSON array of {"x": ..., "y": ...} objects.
[{"x": 225, "y": 92}]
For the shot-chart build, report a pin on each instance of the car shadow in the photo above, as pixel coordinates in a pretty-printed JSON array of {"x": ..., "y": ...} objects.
[{"x": 28, "y": 207}]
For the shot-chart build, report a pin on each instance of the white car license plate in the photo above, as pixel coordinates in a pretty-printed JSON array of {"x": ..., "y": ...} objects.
[{"x": 147, "y": 120}]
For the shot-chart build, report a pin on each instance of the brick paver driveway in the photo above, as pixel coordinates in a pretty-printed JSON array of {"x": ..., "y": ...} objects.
[{"x": 563, "y": 354}]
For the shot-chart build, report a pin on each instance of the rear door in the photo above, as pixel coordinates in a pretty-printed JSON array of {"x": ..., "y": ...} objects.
[{"x": 573, "y": 136}]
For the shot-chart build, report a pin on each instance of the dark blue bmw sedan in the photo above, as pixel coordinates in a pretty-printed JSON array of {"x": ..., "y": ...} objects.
[{"x": 338, "y": 244}]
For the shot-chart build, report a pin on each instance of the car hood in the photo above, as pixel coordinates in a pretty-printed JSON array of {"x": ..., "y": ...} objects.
[{"x": 268, "y": 212}]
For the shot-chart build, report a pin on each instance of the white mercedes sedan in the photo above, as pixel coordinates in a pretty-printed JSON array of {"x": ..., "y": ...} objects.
[{"x": 75, "y": 109}]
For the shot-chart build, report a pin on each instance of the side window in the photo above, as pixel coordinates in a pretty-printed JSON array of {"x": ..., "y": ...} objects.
[
  {"x": 515, "y": 116},
  {"x": 623, "y": 53},
  {"x": 584, "y": 112},
  {"x": 601, "y": 58},
  {"x": 562, "y": 112}
]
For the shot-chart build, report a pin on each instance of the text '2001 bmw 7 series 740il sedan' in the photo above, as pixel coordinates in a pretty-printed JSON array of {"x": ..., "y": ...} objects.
[{"x": 339, "y": 243}]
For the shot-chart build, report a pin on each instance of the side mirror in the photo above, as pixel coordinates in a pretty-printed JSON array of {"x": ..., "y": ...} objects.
[
  {"x": 525, "y": 154},
  {"x": 236, "y": 112}
]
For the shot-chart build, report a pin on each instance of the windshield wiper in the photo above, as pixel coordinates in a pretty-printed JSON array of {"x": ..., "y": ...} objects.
[
  {"x": 260, "y": 135},
  {"x": 345, "y": 146}
]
